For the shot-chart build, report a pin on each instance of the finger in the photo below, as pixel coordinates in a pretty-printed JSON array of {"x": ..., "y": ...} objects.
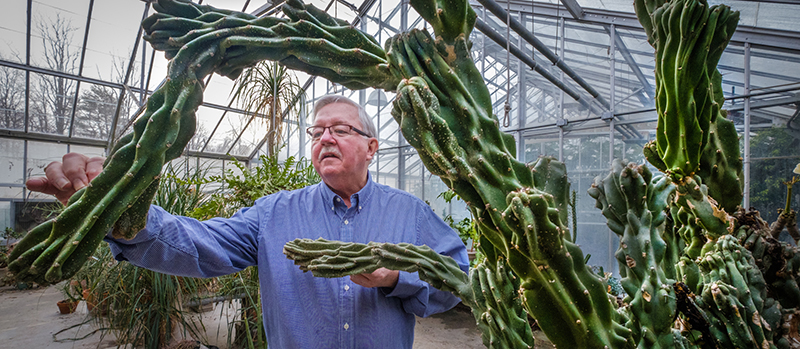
[
  {"x": 94, "y": 166},
  {"x": 56, "y": 177},
  {"x": 74, "y": 168},
  {"x": 42, "y": 185}
]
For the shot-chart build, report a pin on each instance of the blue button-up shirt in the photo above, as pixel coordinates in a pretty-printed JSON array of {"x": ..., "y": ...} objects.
[{"x": 299, "y": 310}]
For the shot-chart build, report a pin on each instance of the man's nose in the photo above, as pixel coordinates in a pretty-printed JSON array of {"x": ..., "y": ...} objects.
[{"x": 327, "y": 136}]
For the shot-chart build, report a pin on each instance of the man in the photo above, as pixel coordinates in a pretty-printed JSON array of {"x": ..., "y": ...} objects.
[{"x": 373, "y": 310}]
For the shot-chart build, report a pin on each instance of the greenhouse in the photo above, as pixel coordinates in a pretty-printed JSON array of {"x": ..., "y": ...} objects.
[{"x": 576, "y": 88}]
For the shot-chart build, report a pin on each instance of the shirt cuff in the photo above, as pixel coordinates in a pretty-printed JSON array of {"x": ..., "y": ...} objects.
[{"x": 408, "y": 284}]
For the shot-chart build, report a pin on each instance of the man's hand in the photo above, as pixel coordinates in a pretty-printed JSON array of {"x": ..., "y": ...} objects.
[
  {"x": 381, "y": 277},
  {"x": 65, "y": 178}
]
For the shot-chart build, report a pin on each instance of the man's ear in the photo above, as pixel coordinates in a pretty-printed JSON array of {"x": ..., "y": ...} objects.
[{"x": 372, "y": 148}]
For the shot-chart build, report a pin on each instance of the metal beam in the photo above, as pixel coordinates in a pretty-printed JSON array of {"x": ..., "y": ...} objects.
[
  {"x": 758, "y": 37},
  {"x": 623, "y": 50},
  {"x": 574, "y": 8},
  {"x": 523, "y": 32},
  {"x": 497, "y": 38}
]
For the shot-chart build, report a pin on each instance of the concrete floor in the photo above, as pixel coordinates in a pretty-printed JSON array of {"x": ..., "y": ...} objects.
[{"x": 30, "y": 319}]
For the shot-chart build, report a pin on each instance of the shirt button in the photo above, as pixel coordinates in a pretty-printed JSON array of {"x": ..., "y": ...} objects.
[
  {"x": 346, "y": 222},
  {"x": 346, "y": 326},
  {"x": 346, "y": 287},
  {"x": 359, "y": 207},
  {"x": 338, "y": 199}
]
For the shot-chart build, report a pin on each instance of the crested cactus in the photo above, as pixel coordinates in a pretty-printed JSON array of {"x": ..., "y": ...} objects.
[{"x": 685, "y": 253}]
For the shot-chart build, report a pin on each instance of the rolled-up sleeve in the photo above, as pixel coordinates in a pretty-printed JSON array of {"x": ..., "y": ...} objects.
[
  {"x": 418, "y": 297},
  {"x": 187, "y": 247}
]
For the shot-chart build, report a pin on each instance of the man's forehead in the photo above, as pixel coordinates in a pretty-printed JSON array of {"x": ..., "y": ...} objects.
[{"x": 337, "y": 113}]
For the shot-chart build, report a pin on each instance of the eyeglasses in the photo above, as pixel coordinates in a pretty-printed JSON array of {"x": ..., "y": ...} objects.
[{"x": 338, "y": 131}]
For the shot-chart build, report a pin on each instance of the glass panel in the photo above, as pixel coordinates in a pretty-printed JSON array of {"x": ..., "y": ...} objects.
[
  {"x": 765, "y": 15},
  {"x": 58, "y": 27},
  {"x": 586, "y": 157},
  {"x": 5, "y": 219},
  {"x": 773, "y": 155},
  {"x": 207, "y": 119},
  {"x": 541, "y": 145},
  {"x": 254, "y": 132},
  {"x": 12, "y": 98},
  {"x": 586, "y": 52},
  {"x": 218, "y": 91},
  {"x": 630, "y": 148},
  {"x": 41, "y": 154},
  {"x": 111, "y": 39},
  {"x": 730, "y": 66},
  {"x": 388, "y": 130},
  {"x": 387, "y": 168},
  {"x": 88, "y": 151},
  {"x": 16, "y": 193},
  {"x": 11, "y": 155},
  {"x": 236, "y": 5},
  {"x": 634, "y": 61},
  {"x": 613, "y": 5},
  {"x": 51, "y": 103},
  {"x": 95, "y": 112},
  {"x": 773, "y": 69},
  {"x": 413, "y": 174},
  {"x": 13, "y": 31}
]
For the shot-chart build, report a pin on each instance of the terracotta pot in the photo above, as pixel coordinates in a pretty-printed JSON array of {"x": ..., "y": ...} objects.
[
  {"x": 88, "y": 296},
  {"x": 67, "y": 307}
]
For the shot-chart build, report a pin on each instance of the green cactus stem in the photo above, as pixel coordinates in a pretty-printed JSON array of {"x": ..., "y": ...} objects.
[
  {"x": 634, "y": 202},
  {"x": 688, "y": 37},
  {"x": 309, "y": 40},
  {"x": 733, "y": 292}
]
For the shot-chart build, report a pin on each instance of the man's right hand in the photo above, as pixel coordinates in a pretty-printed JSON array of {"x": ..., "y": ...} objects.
[{"x": 63, "y": 179}]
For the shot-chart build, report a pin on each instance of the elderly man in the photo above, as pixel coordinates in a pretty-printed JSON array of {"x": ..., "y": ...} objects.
[{"x": 373, "y": 310}]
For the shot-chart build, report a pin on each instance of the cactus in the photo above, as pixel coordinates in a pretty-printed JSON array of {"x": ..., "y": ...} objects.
[{"x": 687, "y": 252}]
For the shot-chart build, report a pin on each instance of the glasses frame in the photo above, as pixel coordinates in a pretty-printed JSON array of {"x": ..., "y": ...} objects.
[{"x": 352, "y": 128}]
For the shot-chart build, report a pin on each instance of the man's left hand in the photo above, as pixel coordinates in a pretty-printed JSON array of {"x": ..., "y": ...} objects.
[{"x": 379, "y": 278}]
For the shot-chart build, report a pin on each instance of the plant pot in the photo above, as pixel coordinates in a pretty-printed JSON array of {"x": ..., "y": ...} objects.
[
  {"x": 89, "y": 298},
  {"x": 95, "y": 304},
  {"x": 66, "y": 306}
]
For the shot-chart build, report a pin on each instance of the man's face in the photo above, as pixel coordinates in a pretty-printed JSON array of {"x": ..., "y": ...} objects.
[{"x": 342, "y": 161}]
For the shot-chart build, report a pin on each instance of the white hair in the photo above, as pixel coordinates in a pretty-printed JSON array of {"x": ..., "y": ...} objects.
[{"x": 366, "y": 121}]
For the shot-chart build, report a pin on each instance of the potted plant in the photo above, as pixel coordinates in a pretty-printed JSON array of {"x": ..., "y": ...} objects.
[{"x": 71, "y": 300}]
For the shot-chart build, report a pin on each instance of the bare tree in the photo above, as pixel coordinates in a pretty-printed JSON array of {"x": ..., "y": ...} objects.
[
  {"x": 12, "y": 98},
  {"x": 51, "y": 108}
]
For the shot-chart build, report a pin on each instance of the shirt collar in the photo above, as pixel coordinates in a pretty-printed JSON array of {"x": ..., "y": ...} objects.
[{"x": 357, "y": 200}]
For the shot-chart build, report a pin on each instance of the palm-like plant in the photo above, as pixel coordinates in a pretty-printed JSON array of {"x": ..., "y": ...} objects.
[{"x": 264, "y": 90}]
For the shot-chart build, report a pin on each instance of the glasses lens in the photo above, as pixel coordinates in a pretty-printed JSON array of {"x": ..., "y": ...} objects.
[
  {"x": 315, "y": 132},
  {"x": 340, "y": 130}
]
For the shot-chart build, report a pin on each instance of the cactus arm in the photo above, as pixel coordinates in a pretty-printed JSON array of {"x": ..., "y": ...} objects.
[
  {"x": 635, "y": 203},
  {"x": 557, "y": 288},
  {"x": 332, "y": 259},
  {"x": 309, "y": 40},
  {"x": 498, "y": 309},
  {"x": 733, "y": 293},
  {"x": 688, "y": 37},
  {"x": 721, "y": 166}
]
